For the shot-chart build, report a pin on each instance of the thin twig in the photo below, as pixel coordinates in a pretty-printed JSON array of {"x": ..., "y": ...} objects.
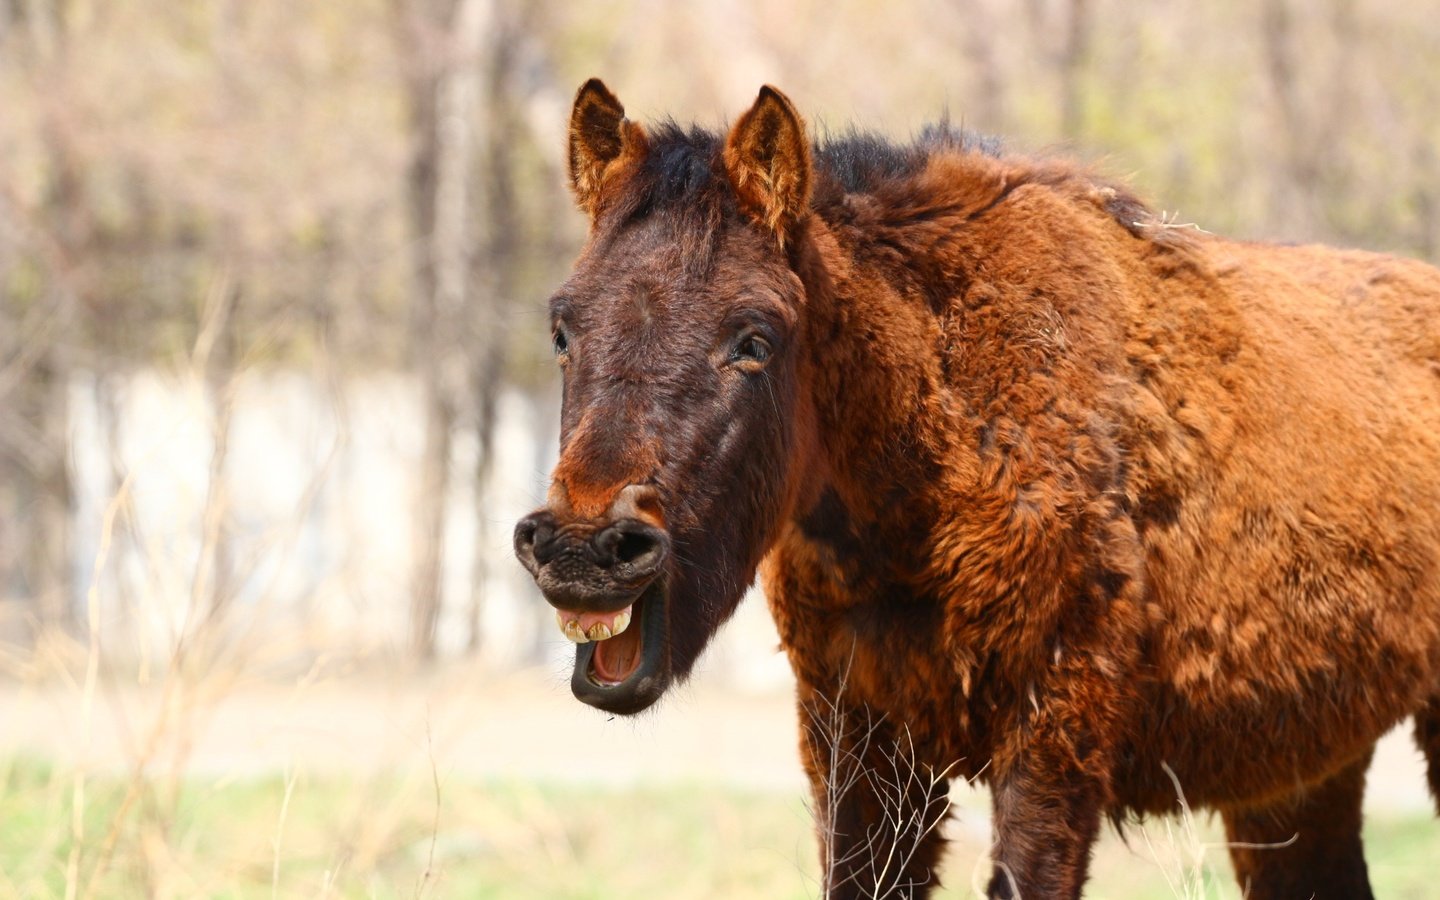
[
  {"x": 429, "y": 872},
  {"x": 280, "y": 833}
]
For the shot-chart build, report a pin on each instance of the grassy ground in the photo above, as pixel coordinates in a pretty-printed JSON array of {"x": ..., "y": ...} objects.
[{"x": 117, "y": 836}]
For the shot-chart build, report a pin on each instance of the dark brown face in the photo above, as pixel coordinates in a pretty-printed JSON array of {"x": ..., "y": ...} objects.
[
  {"x": 676, "y": 430},
  {"x": 677, "y": 334}
]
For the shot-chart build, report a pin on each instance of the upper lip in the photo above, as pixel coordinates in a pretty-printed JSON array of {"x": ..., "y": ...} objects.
[{"x": 587, "y": 567}]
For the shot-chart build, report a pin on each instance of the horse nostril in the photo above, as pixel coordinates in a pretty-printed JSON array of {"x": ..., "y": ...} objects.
[
  {"x": 633, "y": 546},
  {"x": 535, "y": 530},
  {"x": 640, "y": 549}
]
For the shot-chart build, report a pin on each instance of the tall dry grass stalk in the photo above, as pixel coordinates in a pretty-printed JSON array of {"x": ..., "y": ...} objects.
[
  {"x": 1183, "y": 842},
  {"x": 867, "y": 756}
]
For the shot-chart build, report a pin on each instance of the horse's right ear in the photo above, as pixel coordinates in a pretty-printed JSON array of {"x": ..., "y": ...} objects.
[
  {"x": 767, "y": 158},
  {"x": 599, "y": 135}
]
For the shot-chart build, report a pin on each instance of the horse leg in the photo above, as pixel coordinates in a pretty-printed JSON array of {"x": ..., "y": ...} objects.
[
  {"x": 1427, "y": 735},
  {"x": 1307, "y": 845},
  {"x": 1047, "y": 817},
  {"x": 878, "y": 807},
  {"x": 1050, "y": 779}
]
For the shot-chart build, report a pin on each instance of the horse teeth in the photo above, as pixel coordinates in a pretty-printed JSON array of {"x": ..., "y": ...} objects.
[
  {"x": 573, "y": 632},
  {"x": 576, "y": 631},
  {"x": 621, "y": 622}
]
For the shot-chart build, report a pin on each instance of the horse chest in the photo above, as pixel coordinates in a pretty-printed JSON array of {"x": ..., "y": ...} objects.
[{"x": 874, "y": 643}]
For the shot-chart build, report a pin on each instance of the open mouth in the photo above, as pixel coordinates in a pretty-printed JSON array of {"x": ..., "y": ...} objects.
[{"x": 621, "y": 663}]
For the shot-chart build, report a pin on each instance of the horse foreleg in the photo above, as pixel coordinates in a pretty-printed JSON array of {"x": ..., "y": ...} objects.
[
  {"x": 1047, "y": 817},
  {"x": 1050, "y": 781},
  {"x": 878, "y": 807}
]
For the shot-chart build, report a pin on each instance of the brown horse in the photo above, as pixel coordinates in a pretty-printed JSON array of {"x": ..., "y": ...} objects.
[{"x": 1043, "y": 490}]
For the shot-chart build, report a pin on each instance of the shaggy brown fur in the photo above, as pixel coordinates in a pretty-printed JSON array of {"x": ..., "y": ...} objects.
[{"x": 1043, "y": 491}]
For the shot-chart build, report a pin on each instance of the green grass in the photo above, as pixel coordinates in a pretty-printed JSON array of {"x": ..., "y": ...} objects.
[{"x": 343, "y": 837}]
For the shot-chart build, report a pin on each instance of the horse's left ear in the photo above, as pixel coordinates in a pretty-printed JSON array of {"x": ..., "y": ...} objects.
[
  {"x": 767, "y": 158},
  {"x": 599, "y": 135}
]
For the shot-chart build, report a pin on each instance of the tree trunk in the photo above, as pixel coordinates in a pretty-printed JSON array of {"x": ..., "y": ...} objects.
[
  {"x": 988, "y": 98},
  {"x": 441, "y": 47},
  {"x": 486, "y": 392},
  {"x": 1073, "y": 57},
  {"x": 35, "y": 366},
  {"x": 1293, "y": 197},
  {"x": 429, "y": 515},
  {"x": 1427, "y": 202},
  {"x": 428, "y": 542},
  {"x": 36, "y": 466},
  {"x": 496, "y": 276}
]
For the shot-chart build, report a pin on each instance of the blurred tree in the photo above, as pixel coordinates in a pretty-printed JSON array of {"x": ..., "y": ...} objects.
[
  {"x": 37, "y": 357},
  {"x": 1074, "y": 53},
  {"x": 454, "y": 58},
  {"x": 498, "y": 255},
  {"x": 1298, "y": 173}
]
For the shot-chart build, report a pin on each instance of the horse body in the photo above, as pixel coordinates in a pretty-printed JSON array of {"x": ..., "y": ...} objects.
[
  {"x": 1297, "y": 608},
  {"x": 1055, "y": 495}
]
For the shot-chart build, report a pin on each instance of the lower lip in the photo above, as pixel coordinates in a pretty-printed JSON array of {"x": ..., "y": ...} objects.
[{"x": 647, "y": 682}]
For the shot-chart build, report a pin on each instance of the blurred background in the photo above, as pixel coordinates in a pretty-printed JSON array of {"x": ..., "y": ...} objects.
[{"x": 275, "y": 384}]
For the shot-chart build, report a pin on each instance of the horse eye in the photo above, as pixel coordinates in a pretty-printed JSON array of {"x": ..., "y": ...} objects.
[
  {"x": 752, "y": 349},
  {"x": 561, "y": 341}
]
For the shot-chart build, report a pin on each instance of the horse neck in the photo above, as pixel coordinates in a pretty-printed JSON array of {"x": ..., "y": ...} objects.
[{"x": 872, "y": 383}]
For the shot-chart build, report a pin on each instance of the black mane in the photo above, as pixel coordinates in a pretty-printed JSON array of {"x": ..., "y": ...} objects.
[
  {"x": 683, "y": 175},
  {"x": 684, "y": 165},
  {"x": 860, "y": 161}
]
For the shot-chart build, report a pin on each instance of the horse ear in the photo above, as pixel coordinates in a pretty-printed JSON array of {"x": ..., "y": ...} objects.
[
  {"x": 767, "y": 158},
  {"x": 599, "y": 135}
]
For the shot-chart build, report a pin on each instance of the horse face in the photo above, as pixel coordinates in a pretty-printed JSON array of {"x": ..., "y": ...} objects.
[{"x": 676, "y": 336}]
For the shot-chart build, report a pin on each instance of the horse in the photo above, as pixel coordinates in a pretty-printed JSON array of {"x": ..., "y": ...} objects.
[{"x": 1044, "y": 491}]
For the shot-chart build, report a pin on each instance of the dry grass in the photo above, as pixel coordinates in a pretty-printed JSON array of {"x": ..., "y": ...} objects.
[
  {"x": 862, "y": 753},
  {"x": 153, "y": 820},
  {"x": 156, "y": 820},
  {"x": 305, "y": 835}
]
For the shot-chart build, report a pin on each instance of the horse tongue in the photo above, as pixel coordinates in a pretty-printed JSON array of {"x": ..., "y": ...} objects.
[{"x": 617, "y": 659}]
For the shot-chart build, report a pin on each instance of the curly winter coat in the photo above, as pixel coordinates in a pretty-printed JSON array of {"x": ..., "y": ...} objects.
[{"x": 1043, "y": 490}]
